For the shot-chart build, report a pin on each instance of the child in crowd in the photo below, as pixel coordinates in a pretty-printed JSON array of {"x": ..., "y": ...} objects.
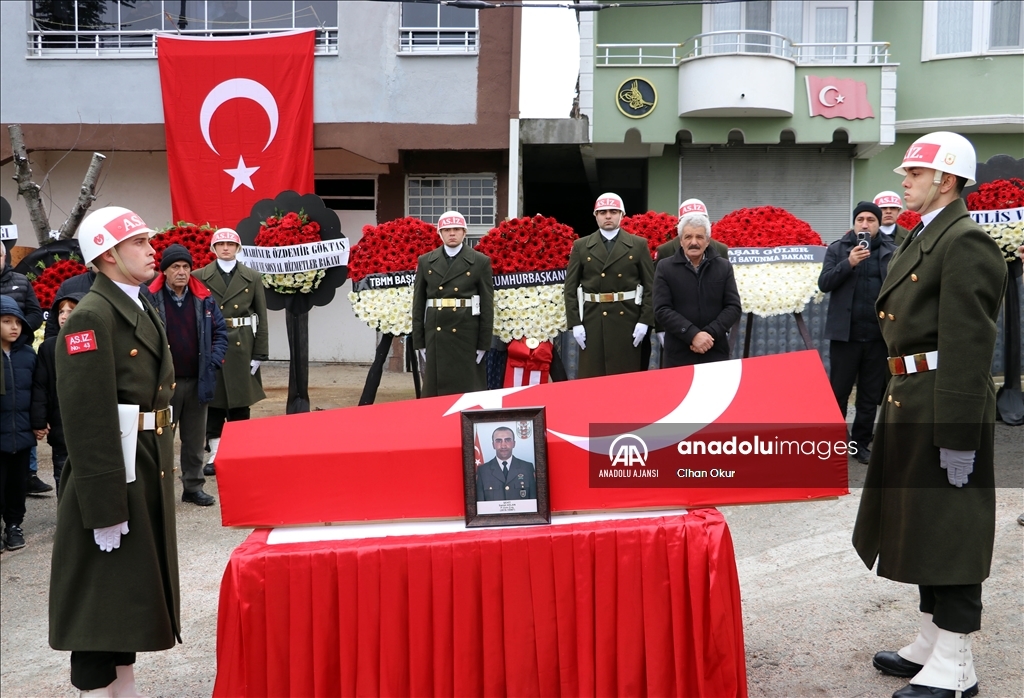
[
  {"x": 46, "y": 420},
  {"x": 16, "y": 437}
]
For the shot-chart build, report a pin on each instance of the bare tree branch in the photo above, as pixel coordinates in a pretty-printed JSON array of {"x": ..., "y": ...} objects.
[
  {"x": 86, "y": 196},
  {"x": 26, "y": 187}
]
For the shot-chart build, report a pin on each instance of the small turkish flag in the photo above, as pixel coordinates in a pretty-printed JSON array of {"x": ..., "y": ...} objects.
[
  {"x": 478, "y": 453},
  {"x": 842, "y": 98},
  {"x": 238, "y": 114}
]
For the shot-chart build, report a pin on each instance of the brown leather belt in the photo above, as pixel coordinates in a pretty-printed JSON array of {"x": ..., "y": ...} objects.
[{"x": 914, "y": 363}]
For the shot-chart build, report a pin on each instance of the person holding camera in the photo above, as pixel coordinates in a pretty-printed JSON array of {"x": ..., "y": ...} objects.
[{"x": 853, "y": 271}]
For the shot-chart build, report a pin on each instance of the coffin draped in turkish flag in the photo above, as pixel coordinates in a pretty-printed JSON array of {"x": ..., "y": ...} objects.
[
  {"x": 238, "y": 114},
  {"x": 404, "y": 460}
]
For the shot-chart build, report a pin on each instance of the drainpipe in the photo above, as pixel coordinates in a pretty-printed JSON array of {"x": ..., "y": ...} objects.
[{"x": 515, "y": 167}]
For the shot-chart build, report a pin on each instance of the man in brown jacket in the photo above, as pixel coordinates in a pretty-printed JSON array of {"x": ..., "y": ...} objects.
[
  {"x": 608, "y": 294},
  {"x": 928, "y": 509},
  {"x": 114, "y": 575},
  {"x": 238, "y": 291}
]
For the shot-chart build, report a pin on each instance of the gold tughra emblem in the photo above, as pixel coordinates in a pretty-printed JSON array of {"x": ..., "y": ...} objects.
[{"x": 633, "y": 98}]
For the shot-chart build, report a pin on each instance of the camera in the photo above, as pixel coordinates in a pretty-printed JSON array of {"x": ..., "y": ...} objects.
[{"x": 864, "y": 240}]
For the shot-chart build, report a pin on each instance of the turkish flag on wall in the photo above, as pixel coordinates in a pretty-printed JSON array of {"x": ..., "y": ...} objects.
[
  {"x": 238, "y": 114},
  {"x": 842, "y": 98}
]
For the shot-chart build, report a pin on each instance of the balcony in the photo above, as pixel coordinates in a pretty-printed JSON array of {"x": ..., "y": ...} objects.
[{"x": 739, "y": 73}]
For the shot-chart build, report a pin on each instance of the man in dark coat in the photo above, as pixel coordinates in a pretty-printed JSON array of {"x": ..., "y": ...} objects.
[
  {"x": 505, "y": 476},
  {"x": 608, "y": 294},
  {"x": 238, "y": 291},
  {"x": 18, "y": 287},
  {"x": 198, "y": 338},
  {"x": 891, "y": 205},
  {"x": 695, "y": 297},
  {"x": 854, "y": 269},
  {"x": 453, "y": 312},
  {"x": 927, "y": 513},
  {"x": 114, "y": 574}
]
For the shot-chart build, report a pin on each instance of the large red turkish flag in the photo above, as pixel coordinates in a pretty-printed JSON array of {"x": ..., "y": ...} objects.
[{"x": 238, "y": 113}]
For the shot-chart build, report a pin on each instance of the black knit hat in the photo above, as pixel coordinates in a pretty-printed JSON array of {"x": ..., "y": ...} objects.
[
  {"x": 177, "y": 253},
  {"x": 866, "y": 207}
]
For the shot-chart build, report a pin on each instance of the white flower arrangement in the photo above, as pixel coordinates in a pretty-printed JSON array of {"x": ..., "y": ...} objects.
[
  {"x": 777, "y": 289},
  {"x": 1009, "y": 237},
  {"x": 530, "y": 311},
  {"x": 388, "y": 310},
  {"x": 301, "y": 282}
]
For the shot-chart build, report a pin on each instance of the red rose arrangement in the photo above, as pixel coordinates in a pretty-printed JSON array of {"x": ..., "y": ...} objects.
[
  {"x": 764, "y": 226},
  {"x": 1000, "y": 194},
  {"x": 531, "y": 243},
  {"x": 48, "y": 279},
  {"x": 393, "y": 246},
  {"x": 909, "y": 220},
  {"x": 287, "y": 229},
  {"x": 657, "y": 228},
  {"x": 194, "y": 238},
  {"x": 1008, "y": 228},
  {"x": 528, "y": 306}
]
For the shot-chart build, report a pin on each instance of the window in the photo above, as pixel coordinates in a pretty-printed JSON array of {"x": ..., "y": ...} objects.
[
  {"x": 432, "y": 28},
  {"x": 127, "y": 28},
  {"x": 343, "y": 194},
  {"x": 956, "y": 28},
  {"x": 471, "y": 195},
  {"x": 825, "y": 26}
]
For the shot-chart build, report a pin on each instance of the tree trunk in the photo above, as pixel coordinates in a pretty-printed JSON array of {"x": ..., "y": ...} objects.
[
  {"x": 26, "y": 187},
  {"x": 86, "y": 196}
]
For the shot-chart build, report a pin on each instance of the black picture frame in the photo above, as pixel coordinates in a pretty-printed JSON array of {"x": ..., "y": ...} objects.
[{"x": 480, "y": 422}]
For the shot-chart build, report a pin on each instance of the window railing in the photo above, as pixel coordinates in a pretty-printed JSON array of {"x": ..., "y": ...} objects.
[
  {"x": 437, "y": 40},
  {"x": 741, "y": 42},
  {"x": 113, "y": 43}
]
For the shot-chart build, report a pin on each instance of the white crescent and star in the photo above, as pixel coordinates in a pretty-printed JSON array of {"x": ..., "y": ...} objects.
[
  {"x": 238, "y": 88},
  {"x": 823, "y": 96}
]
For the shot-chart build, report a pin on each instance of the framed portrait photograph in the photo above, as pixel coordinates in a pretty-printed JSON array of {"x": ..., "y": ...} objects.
[{"x": 505, "y": 467}]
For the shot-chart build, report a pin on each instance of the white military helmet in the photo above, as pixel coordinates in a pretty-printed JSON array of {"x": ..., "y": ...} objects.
[
  {"x": 609, "y": 202},
  {"x": 692, "y": 206},
  {"x": 224, "y": 235},
  {"x": 888, "y": 199},
  {"x": 942, "y": 151},
  {"x": 106, "y": 227},
  {"x": 451, "y": 219}
]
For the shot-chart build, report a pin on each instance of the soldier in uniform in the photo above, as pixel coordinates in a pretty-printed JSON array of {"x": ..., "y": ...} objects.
[
  {"x": 238, "y": 291},
  {"x": 891, "y": 205},
  {"x": 928, "y": 509},
  {"x": 505, "y": 476},
  {"x": 452, "y": 312},
  {"x": 608, "y": 294},
  {"x": 114, "y": 575}
]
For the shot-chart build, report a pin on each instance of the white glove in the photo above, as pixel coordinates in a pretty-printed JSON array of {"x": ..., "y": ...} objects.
[
  {"x": 254, "y": 366},
  {"x": 957, "y": 464},
  {"x": 661, "y": 338},
  {"x": 421, "y": 354},
  {"x": 109, "y": 538},
  {"x": 639, "y": 332},
  {"x": 581, "y": 336},
  {"x": 480, "y": 353}
]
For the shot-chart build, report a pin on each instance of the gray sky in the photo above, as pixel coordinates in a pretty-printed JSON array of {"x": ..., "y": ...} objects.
[{"x": 550, "y": 62}]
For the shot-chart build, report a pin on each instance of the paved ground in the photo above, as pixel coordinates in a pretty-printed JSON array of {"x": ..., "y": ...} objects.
[{"x": 813, "y": 615}]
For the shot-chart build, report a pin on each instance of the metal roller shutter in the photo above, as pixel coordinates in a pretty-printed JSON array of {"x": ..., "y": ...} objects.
[{"x": 811, "y": 182}]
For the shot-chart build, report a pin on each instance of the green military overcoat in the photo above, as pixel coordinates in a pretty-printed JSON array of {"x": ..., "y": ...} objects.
[
  {"x": 452, "y": 336},
  {"x": 243, "y": 297},
  {"x": 667, "y": 249},
  {"x": 609, "y": 326},
  {"x": 125, "y": 600},
  {"x": 943, "y": 292},
  {"x": 899, "y": 234}
]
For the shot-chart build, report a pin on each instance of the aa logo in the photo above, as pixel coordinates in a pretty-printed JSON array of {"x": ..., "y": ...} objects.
[{"x": 628, "y": 450}]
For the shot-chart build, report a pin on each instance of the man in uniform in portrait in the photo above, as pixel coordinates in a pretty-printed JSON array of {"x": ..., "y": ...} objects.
[
  {"x": 891, "y": 205},
  {"x": 927, "y": 514},
  {"x": 608, "y": 294},
  {"x": 238, "y": 291},
  {"x": 114, "y": 575},
  {"x": 505, "y": 476},
  {"x": 453, "y": 312}
]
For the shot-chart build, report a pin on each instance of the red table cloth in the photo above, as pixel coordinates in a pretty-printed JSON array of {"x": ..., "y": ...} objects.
[{"x": 647, "y": 606}]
